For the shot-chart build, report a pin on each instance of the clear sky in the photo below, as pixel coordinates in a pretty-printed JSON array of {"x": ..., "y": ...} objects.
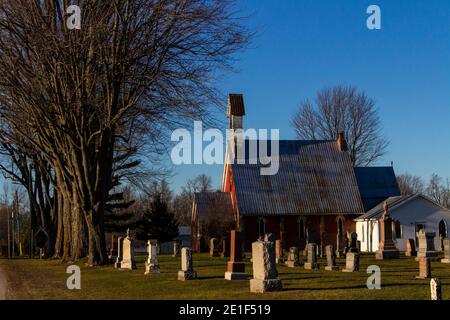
[{"x": 305, "y": 45}]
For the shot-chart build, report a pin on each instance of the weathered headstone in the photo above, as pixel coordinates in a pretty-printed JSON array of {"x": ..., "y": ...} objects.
[
  {"x": 312, "y": 257},
  {"x": 331, "y": 259},
  {"x": 235, "y": 267},
  {"x": 426, "y": 245},
  {"x": 279, "y": 252},
  {"x": 119, "y": 253},
  {"x": 225, "y": 247},
  {"x": 152, "y": 265},
  {"x": 351, "y": 262},
  {"x": 410, "y": 248},
  {"x": 128, "y": 261},
  {"x": 187, "y": 268},
  {"x": 386, "y": 248},
  {"x": 424, "y": 268},
  {"x": 265, "y": 275},
  {"x": 446, "y": 251},
  {"x": 213, "y": 250},
  {"x": 176, "y": 249},
  {"x": 436, "y": 289},
  {"x": 293, "y": 259}
]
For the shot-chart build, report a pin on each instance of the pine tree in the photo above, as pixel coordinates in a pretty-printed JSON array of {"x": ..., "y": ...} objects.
[{"x": 158, "y": 222}]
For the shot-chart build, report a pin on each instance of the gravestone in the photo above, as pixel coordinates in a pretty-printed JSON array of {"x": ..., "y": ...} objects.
[
  {"x": 446, "y": 251},
  {"x": 176, "y": 249},
  {"x": 265, "y": 275},
  {"x": 386, "y": 248},
  {"x": 187, "y": 268},
  {"x": 119, "y": 253},
  {"x": 436, "y": 289},
  {"x": 410, "y": 248},
  {"x": 293, "y": 259},
  {"x": 235, "y": 267},
  {"x": 225, "y": 247},
  {"x": 128, "y": 261},
  {"x": 351, "y": 262},
  {"x": 213, "y": 250},
  {"x": 152, "y": 265},
  {"x": 339, "y": 245},
  {"x": 279, "y": 252},
  {"x": 331, "y": 258},
  {"x": 353, "y": 242},
  {"x": 426, "y": 245},
  {"x": 424, "y": 268},
  {"x": 312, "y": 257}
]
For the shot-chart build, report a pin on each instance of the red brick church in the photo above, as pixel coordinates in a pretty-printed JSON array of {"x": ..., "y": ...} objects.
[{"x": 314, "y": 197}]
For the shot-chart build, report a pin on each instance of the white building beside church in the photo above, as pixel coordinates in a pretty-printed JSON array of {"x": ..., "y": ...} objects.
[{"x": 410, "y": 214}]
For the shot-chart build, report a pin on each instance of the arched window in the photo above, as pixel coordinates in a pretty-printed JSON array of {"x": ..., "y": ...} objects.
[
  {"x": 398, "y": 234},
  {"x": 301, "y": 228},
  {"x": 340, "y": 225},
  {"x": 261, "y": 227}
]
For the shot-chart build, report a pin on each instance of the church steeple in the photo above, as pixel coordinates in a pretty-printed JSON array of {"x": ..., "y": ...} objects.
[{"x": 236, "y": 110}]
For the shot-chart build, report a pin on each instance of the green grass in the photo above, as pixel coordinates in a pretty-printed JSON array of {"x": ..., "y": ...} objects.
[{"x": 40, "y": 279}]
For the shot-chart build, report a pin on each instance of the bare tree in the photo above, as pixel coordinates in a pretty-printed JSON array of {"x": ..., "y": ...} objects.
[
  {"x": 439, "y": 190},
  {"x": 141, "y": 65},
  {"x": 410, "y": 184},
  {"x": 343, "y": 108}
]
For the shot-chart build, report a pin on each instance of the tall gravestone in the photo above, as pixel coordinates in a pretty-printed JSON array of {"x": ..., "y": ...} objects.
[
  {"x": 312, "y": 257},
  {"x": 187, "y": 268},
  {"x": 446, "y": 251},
  {"x": 426, "y": 245},
  {"x": 279, "y": 252},
  {"x": 331, "y": 258},
  {"x": 293, "y": 259},
  {"x": 410, "y": 248},
  {"x": 235, "y": 267},
  {"x": 119, "y": 253},
  {"x": 225, "y": 247},
  {"x": 176, "y": 249},
  {"x": 265, "y": 275},
  {"x": 128, "y": 261},
  {"x": 152, "y": 264},
  {"x": 424, "y": 268},
  {"x": 213, "y": 250},
  {"x": 386, "y": 248},
  {"x": 351, "y": 262}
]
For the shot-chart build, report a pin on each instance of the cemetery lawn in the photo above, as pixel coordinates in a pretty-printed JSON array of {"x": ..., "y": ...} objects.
[{"x": 46, "y": 279}]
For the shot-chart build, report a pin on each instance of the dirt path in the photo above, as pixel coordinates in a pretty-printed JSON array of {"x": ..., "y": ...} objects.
[{"x": 2, "y": 284}]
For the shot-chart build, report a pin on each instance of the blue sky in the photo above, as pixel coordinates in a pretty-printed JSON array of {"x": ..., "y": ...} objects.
[{"x": 305, "y": 45}]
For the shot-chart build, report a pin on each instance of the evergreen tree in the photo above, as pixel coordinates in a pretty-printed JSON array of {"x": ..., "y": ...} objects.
[{"x": 158, "y": 222}]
